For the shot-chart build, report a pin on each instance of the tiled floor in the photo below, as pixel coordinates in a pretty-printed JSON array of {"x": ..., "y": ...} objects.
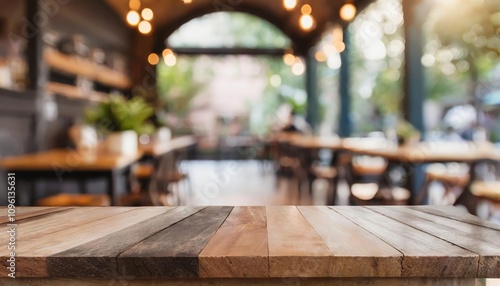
[{"x": 248, "y": 183}]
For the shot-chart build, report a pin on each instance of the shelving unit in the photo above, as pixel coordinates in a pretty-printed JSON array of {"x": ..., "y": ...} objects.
[
  {"x": 74, "y": 93},
  {"x": 82, "y": 67}
]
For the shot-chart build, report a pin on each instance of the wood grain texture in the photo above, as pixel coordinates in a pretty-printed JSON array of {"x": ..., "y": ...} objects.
[
  {"x": 97, "y": 258},
  {"x": 32, "y": 212},
  {"x": 32, "y": 254},
  {"x": 353, "y": 245},
  {"x": 457, "y": 214},
  {"x": 158, "y": 149},
  {"x": 481, "y": 240},
  {"x": 247, "y": 282},
  {"x": 173, "y": 252},
  {"x": 63, "y": 159},
  {"x": 424, "y": 255},
  {"x": 295, "y": 249},
  {"x": 239, "y": 248}
]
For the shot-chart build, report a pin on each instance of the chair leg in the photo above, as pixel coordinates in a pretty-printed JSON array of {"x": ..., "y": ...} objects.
[{"x": 423, "y": 192}]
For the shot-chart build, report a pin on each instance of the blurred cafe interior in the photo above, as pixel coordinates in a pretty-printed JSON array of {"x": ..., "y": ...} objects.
[{"x": 251, "y": 102}]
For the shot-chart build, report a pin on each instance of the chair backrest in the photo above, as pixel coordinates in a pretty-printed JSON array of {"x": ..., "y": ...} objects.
[{"x": 164, "y": 167}]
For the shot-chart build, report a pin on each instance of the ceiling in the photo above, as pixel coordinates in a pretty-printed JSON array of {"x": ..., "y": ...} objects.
[{"x": 171, "y": 14}]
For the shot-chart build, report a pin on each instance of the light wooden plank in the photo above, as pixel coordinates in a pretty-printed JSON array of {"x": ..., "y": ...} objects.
[
  {"x": 54, "y": 222},
  {"x": 97, "y": 258},
  {"x": 295, "y": 249},
  {"x": 481, "y": 240},
  {"x": 30, "y": 212},
  {"x": 239, "y": 248},
  {"x": 31, "y": 255},
  {"x": 424, "y": 255},
  {"x": 173, "y": 252},
  {"x": 353, "y": 245},
  {"x": 456, "y": 214}
]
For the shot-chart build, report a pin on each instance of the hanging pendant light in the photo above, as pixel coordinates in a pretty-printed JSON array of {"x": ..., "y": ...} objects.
[
  {"x": 348, "y": 11},
  {"x": 289, "y": 4}
]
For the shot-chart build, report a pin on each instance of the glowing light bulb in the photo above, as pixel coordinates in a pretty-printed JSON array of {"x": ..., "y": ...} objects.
[
  {"x": 170, "y": 60},
  {"x": 153, "y": 59},
  {"x": 298, "y": 68},
  {"x": 133, "y": 18},
  {"x": 145, "y": 27},
  {"x": 167, "y": 52},
  {"x": 320, "y": 56},
  {"x": 289, "y": 4},
  {"x": 147, "y": 14},
  {"x": 289, "y": 58},
  {"x": 187, "y": 1},
  {"x": 306, "y": 22},
  {"x": 134, "y": 4},
  {"x": 348, "y": 12},
  {"x": 306, "y": 9}
]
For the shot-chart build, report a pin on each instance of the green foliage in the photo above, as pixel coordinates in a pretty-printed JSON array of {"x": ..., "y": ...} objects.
[
  {"x": 120, "y": 114},
  {"x": 177, "y": 85},
  {"x": 406, "y": 130}
]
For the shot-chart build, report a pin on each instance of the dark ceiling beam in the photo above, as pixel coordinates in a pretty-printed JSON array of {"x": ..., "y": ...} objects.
[{"x": 230, "y": 51}]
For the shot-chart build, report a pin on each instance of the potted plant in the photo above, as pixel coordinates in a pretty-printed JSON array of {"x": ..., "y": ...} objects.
[
  {"x": 407, "y": 133},
  {"x": 121, "y": 120}
]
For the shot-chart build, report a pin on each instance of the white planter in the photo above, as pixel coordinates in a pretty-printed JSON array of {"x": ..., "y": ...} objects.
[
  {"x": 123, "y": 143},
  {"x": 162, "y": 135}
]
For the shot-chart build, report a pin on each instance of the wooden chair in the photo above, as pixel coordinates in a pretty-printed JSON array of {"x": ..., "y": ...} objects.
[
  {"x": 290, "y": 166},
  {"x": 451, "y": 178},
  {"x": 489, "y": 192},
  {"x": 76, "y": 200},
  {"x": 166, "y": 179}
]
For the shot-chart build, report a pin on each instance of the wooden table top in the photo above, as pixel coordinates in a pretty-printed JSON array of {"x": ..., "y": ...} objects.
[
  {"x": 101, "y": 160},
  {"x": 68, "y": 159},
  {"x": 420, "y": 152},
  {"x": 252, "y": 242},
  {"x": 158, "y": 149}
]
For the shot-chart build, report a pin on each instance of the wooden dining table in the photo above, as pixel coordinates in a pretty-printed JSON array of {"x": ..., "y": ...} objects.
[
  {"x": 274, "y": 245},
  {"x": 69, "y": 164},
  {"x": 407, "y": 156}
]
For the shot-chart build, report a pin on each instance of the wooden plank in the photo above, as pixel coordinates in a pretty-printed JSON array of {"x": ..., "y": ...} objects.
[
  {"x": 456, "y": 213},
  {"x": 23, "y": 213},
  {"x": 239, "y": 248},
  {"x": 173, "y": 252},
  {"x": 97, "y": 258},
  {"x": 424, "y": 255},
  {"x": 295, "y": 249},
  {"x": 54, "y": 222},
  {"x": 31, "y": 255},
  {"x": 353, "y": 245},
  {"x": 481, "y": 240},
  {"x": 246, "y": 282}
]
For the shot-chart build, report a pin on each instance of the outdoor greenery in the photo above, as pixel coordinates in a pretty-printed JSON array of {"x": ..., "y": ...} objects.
[{"x": 119, "y": 114}]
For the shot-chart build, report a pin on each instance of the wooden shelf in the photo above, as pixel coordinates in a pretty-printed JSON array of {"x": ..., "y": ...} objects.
[
  {"x": 83, "y": 67},
  {"x": 74, "y": 93}
]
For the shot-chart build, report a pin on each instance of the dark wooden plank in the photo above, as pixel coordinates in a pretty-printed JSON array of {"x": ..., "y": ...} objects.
[
  {"x": 481, "y": 240},
  {"x": 424, "y": 255},
  {"x": 23, "y": 213},
  {"x": 353, "y": 245},
  {"x": 239, "y": 248},
  {"x": 295, "y": 249},
  {"x": 456, "y": 213},
  {"x": 31, "y": 255},
  {"x": 97, "y": 259},
  {"x": 173, "y": 252}
]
